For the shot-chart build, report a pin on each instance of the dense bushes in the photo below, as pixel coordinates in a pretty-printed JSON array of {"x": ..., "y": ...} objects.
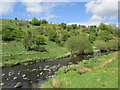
[
  {"x": 111, "y": 45},
  {"x": 79, "y": 45},
  {"x": 34, "y": 41},
  {"x": 101, "y": 45},
  {"x": 11, "y": 33}
]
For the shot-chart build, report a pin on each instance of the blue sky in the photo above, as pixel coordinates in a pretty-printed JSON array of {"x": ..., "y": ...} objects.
[{"x": 69, "y": 12}]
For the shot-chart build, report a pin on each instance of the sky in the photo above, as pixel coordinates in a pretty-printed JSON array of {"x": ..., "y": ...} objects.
[{"x": 90, "y": 12}]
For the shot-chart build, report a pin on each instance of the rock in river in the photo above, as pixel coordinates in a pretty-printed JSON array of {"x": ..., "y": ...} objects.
[
  {"x": 15, "y": 78},
  {"x": 1, "y": 84},
  {"x": 18, "y": 85},
  {"x": 23, "y": 75}
]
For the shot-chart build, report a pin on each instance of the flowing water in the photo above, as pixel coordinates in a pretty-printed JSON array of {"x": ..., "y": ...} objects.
[{"x": 34, "y": 75}]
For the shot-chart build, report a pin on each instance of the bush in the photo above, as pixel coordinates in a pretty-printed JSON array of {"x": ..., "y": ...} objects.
[
  {"x": 34, "y": 41},
  {"x": 40, "y": 48},
  {"x": 104, "y": 35},
  {"x": 112, "y": 45},
  {"x": 9, "y": 33},
  {"x": 79, "y": 45},
  {"x": 101, "y": 45}
]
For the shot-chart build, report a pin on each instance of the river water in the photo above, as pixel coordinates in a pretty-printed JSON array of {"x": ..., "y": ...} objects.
[{"x": 34, "y": 75}]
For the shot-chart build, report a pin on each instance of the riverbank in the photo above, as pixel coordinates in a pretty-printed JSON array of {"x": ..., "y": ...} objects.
[
  {"x": 14, "y": 53},
  {"x": 98, "y": 72}
]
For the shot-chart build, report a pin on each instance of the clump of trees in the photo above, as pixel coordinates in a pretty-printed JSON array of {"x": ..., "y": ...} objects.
[{"x": 37, "y": 22}]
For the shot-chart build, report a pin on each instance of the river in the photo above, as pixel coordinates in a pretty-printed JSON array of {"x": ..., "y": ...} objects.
[{"x": 34, "y": 75}]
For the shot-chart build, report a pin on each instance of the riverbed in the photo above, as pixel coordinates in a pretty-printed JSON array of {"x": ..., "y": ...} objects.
[{"x": 34, "y": 75}]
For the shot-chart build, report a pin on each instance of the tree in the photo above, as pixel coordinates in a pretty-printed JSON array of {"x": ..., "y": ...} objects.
[
  {"x": 43, "y": 21},
  {"x": 16, "y": 19},
  {"x": 103, "y": 26},
  {"x": 79, "y": 44},
  {"x": 35, "y": 22},
  {"x": 63, "y": 25},
  {"x": 74, "y": 26}
]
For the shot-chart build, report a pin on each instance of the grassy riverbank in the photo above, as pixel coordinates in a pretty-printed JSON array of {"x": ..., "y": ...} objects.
[
  {"x": 99, "y": 72},
  {"x": 14, "y": 53}
]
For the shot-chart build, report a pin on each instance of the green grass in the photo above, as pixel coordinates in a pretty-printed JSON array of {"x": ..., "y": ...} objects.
[
  {"x": 14, "y": 52},
  {"x": 106, "y": 77}
]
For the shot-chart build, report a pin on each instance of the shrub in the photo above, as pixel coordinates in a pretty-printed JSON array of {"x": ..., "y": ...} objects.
[
  {"x": 101, "y": 45},
  {"x": 40, "y": 48},
  {"x": 34, "y": 41},
  {"x": 9, "y": 33},
  {"x": 104, "y": 35},
  {"x": 79, "y": 45},
  {"x": 112, "y": 45}
]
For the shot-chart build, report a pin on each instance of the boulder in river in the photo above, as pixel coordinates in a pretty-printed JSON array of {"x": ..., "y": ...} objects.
[
  {"x": 15, "y": 78},
  {"x": 23, "y": 75},
  {"x": 3, "y": 75},
  {"x": 18, "y": 85},
  {"x": 1, "y": 84}
]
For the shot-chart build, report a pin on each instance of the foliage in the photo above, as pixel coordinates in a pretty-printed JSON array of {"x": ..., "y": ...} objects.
[
  {"x": 63, "y": 25},
  {"x": 79, "y": 44},
  {"x": 104, "y": 35},
  {"x": 33, "y": 41},
  {"x": 43, "y": 21},
  {"x": 103, "y": 26},
  {"x": 101, "y": 45},
  {"x": 16, "y": 19},
  {"x": 35, "y": 22},
  {"x": 112, "y": 45},
  {"x": 9, "y": 33}
]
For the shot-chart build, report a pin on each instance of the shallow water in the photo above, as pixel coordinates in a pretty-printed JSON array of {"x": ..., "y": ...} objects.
[{"x": 34, "y": 75}]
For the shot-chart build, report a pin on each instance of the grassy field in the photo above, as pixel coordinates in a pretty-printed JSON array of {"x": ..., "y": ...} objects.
[
  {"x": 14, "y": 53},
  {"x": 99, "y": 72}
]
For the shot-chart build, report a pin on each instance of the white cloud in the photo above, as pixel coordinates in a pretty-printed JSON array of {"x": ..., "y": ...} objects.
[
  {"x": 41, "y": 8},
  {"x": 96, "y": 18},
  {"x": 6, "y": 7},
  {"x": 89, "y": 23},
  {"x": 102, "y": 9},
  {"x": 85, "y": 23}
]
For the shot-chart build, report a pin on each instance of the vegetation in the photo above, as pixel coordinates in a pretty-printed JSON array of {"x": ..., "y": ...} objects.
[
  {"x": 99, "y": 72},
  {"x": 39, "y": 37},
  {"x": 101, "y": 45},
  {"x": 79, "y": 45}
]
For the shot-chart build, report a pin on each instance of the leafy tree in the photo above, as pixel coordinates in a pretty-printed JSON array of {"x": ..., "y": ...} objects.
[
  {"x": 112, "y": 45},
  {"x": 79, "y": 44},
  {"x": 101, "y": 45},
  {"x": 103, "y": 26},
  {"x": 35, "y": 22},
  {"x": 74, "y": 26},
  {"x": 63, "y": 25},
  {"x": 16, "y": 19},
  {"x": 43, "y": 21},
  {"x": 104, "y": 35}
]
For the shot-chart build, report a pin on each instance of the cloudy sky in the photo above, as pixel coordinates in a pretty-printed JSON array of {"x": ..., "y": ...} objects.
[{"x": 85, "y": 12}]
